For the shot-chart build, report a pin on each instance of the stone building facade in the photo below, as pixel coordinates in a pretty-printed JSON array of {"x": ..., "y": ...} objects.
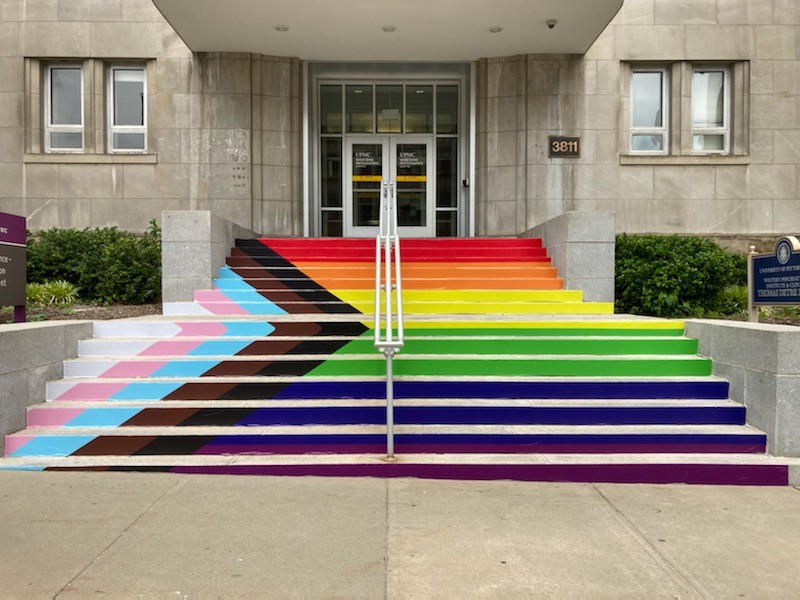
[{"x": 249, "y": 135}]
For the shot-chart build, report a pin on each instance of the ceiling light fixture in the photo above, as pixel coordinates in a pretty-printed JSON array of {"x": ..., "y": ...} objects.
[
  {"x": 389, "y": 28},
  {"x": 281, "y": 28},
  {"x": 495, "y": 29}
]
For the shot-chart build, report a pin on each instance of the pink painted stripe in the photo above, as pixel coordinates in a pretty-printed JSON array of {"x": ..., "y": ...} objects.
[
  {"x": 218, "y": 303},
  {"x": 92, "y": 391},
  {"x": 134, "y": 369},
  {"x": 52, "y": 417},
  {"x": 15, "y": 442},
  {"x": 202, "y": 329},
  {"x": 170, "y": 348}
]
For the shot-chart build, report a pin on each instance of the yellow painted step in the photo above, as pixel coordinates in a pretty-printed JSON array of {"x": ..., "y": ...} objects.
[
  {"x": 472, "y": 296},
  {"x": 516, "y": 308}
]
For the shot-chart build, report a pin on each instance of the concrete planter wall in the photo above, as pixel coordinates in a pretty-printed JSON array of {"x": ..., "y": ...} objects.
[
  {"x": 582, "y": 246},
  {"x": 31, "y": 354},
  {"x": 762, "y": 363},
  {"x": 194, "y": 245}
]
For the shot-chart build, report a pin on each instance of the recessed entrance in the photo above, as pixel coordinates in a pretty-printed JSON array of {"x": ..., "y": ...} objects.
[{"x": 410, "y": 130}]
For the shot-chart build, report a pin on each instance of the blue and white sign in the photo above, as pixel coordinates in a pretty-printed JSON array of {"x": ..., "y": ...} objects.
[{"x": 776, "y": 277}]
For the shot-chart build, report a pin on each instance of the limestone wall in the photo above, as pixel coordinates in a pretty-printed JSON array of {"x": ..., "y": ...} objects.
[
  {"x": 523, "y": 99},
  {"x": 208, "y": 116}
]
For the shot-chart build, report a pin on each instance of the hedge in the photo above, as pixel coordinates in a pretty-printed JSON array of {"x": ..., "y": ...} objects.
[
  {"x": 675, "y": 276},
  {"x": 107, "y": 265}
]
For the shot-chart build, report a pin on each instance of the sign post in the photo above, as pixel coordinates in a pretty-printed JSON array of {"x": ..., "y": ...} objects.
[
  {"x": 13, "y": 272},
  {"x": 774, "y": 279}
]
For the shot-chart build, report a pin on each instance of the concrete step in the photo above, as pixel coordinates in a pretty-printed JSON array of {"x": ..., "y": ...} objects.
[
  {"x": 409, "y": 439},
  {"x": 373, "y": 364},
  {"x": 708, "y": 469},
  {"x": 315, "y": 388},
  {"x": 354, "y": 412},
  {"x": 443, "y": 345},
  {"x": 418, "y": 325}
]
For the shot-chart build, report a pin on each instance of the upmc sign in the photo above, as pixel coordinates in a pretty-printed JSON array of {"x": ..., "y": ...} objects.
[{"x": 12, "y": 260}]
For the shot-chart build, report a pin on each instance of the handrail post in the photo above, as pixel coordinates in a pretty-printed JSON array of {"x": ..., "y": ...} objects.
[{"x": 387, "y": 279}]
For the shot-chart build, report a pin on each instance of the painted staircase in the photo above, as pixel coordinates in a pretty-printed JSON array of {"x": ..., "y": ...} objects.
[{"x": 504, "y": 375}]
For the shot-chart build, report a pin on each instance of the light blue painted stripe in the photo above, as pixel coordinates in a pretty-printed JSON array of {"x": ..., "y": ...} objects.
[
  {"x": 220, "y": 348},
  {"x": 146, "y": 391},
  {"x": 185, "y": 368},
  {"x": 249, "y": 294},
  {"x": 262, "y": 308},
  {"x": 53, "y": 445},
  {"x": 245, "y": 329},
  {"x": 23, "y": 468},
  {"x": 230, "y": 283},
  {"x": 227, "y": 273},
  {"x": 103, "y": 417}
]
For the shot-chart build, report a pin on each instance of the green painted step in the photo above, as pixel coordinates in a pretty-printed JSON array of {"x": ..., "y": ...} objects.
[
  {"x": 669, "y": 346},
  {"x": 575, "y": 366},
  {"x": 544, "y": 332}
]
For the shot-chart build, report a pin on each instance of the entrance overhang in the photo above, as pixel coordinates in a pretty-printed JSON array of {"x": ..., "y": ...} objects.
[{"x": 379, "y": 30}]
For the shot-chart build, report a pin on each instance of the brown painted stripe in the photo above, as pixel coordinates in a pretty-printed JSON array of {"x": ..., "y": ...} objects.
[
  {"x": 115, "y": 445},
  {"x": 201, "y": 391},
  {"x": 166, "y": 417}
]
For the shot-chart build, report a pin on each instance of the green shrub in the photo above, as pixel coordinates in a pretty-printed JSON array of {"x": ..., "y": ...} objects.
[
  {"x": 107, "y": 265},
  {"x": 674, "y": 276},
  {"x": 60, "y": 292}
]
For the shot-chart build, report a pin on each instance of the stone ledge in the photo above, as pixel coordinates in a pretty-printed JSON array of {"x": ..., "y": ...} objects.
[
  {"x": 90, "y": 159},
  {"x": 683, "y": 160}
]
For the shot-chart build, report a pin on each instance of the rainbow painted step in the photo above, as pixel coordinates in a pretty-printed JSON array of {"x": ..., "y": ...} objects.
[{"x": 273, "y": 372}]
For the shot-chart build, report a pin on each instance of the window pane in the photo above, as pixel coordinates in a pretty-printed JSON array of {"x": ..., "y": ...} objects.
[
  {"x": 446, "y": 223},
  {"x": 447, "y": 109},
  {"x": 708, "y": 143},
  {"x": 330, "y": 102},
  {"x": 708, "y": 99},
  {"x": 647, "y": 95},
  {"x": 331, "y": 171},
  {"x": 129, "y": 97},
  {"x": 66, "y": 140},
  {"x": 419, "y": 109},
  {"x": 128, "y": 141},
  {"x": 446, "y": 173},
  {"x": 647, "y": 142},
  {"x": 65, "y": 96},
  {"x": 389, "y": 107},
  {"x": 358, "y": 104},
  {"x": 332, "y": 223}
]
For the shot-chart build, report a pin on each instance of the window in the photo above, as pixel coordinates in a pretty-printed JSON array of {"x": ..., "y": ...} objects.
[
  {"x": 127, "y": 103},
  {"x": 63, "y": 108},
  {"x": 681, "y": 111},
  {"x": 649, "y": 118},
  {"x": 710, "y": 110}
]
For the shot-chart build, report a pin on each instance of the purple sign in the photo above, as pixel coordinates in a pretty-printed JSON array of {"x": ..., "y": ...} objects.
[
  {"x": 12, "y": 260},
  {"x": 12, "y": 229}
]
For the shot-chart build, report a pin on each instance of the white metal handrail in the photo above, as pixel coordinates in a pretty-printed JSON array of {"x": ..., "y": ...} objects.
[{"x": 388, "y": 325}]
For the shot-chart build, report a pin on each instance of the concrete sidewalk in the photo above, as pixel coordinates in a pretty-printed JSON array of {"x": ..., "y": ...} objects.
[{"x": 132, "y": 535}]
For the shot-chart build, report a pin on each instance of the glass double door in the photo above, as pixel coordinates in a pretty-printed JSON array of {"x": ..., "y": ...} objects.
[{"x": 405, "y": 161}]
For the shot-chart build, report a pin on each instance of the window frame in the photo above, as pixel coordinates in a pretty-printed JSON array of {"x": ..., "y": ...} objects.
[
  {"x": 725, "y": 130},
  {"x": 49, "y": 126},
  {"x": 664, "y": 130},
  {"x": 111, "y": 128}
]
